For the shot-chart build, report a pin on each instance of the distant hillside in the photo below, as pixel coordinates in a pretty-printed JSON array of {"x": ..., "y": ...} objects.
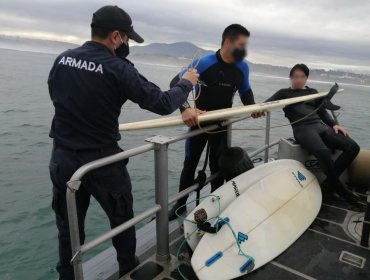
[{"x": 178, "y": 55}]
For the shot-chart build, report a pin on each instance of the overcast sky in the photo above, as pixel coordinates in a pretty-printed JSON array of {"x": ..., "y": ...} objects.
[{"x": 323, "y": 33}]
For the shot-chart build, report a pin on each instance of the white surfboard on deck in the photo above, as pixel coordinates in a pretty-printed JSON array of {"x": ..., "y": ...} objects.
[
  {"x": 222, "y": 114},
  {"x": 229, "y": 192},
  {"x": 273, "y": 213}
]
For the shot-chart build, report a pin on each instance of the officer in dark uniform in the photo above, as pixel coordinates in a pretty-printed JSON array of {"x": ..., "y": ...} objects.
[
  {"x": 88, "y": 86},
  {"x": 221, "y": 75}
]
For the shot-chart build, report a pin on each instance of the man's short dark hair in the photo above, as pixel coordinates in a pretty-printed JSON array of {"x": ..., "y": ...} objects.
[
  {"x": 233, "y": 31},
  {"x": 100, "y": 33},
  {"x": 302, "y": 67}
]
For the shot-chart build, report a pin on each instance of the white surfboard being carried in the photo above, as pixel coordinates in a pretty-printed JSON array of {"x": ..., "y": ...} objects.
[{"x": 222, "y": 114}]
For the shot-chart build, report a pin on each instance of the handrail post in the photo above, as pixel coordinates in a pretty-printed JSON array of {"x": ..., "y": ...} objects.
[
  {"x": 161, "y": 196},
  {"x": 229, "y": 135},
  {"x": 72, "y": 187},
  {"x": 267, "y": 135}
]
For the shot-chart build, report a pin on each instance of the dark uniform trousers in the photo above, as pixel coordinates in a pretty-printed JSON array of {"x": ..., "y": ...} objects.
[
  {"x": 109, "y": 185},
  {"x": 194, "y": 147}
]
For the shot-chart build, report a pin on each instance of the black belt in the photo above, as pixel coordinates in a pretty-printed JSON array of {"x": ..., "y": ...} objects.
[{"x": 107, "y": 148}]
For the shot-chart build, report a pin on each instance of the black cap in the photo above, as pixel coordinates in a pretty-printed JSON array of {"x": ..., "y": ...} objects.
[{"x": 114, "y": 18}]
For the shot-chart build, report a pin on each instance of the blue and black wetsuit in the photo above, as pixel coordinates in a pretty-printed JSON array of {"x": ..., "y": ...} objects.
[
  {"x": 316, "y": 135},
  {"x": 220, "y": 81}
]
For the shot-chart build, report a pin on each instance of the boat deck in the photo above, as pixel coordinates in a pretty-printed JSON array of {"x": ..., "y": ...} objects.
[{"x": 327, "y": 250}]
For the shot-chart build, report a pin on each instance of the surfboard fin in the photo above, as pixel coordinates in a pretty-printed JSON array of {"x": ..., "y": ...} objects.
[
  {"x": 213, "y": 259},
  {"x": 326, "y": 102},
  {"x": 330, "y": 106},
  {"x": 247, "y": 266}
]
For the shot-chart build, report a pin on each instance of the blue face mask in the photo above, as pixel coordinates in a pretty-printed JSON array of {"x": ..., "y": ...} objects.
[
  {"x": 123, "y": 50},
  {"x": 239, "y": 54}
]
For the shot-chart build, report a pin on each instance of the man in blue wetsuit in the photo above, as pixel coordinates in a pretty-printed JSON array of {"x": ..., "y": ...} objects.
[
  {"x": 88, "y": 86},
  {"x": 221, "y": 74}
]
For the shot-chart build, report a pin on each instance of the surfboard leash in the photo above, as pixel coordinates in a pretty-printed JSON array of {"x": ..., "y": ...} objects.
[
  {"x": 196, "y": 57},
  {"x": 202, "y": 176},
  {"x": 247, "y": 266}
]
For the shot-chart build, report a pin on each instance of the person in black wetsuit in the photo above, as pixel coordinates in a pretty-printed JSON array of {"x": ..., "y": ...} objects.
[
  {"x": 318, "y": 132},
  {"x": 221, "y": 75}
]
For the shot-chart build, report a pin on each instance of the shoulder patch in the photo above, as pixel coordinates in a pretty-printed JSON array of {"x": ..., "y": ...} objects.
[{"x": 81, "y": 64}]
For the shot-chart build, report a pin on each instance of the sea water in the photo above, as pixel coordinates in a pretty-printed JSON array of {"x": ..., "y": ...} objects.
[{"x": 28, "y": 235}]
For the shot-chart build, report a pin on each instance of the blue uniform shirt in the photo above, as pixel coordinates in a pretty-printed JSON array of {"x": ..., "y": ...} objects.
[{"x": 88, "y": 86}]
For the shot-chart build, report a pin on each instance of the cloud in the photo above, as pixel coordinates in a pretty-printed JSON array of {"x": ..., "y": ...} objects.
[{"x": 331, "y": 32}]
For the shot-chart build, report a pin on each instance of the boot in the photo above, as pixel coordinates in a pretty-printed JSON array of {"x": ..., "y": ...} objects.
[
  {"x": 123, "y": 272},
  {"x": 347, "y": 194},
  {"x": 339, "y": 190}
]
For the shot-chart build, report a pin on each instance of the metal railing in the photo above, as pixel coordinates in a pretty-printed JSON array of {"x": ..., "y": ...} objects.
[{"x": 159, "y": 144}]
